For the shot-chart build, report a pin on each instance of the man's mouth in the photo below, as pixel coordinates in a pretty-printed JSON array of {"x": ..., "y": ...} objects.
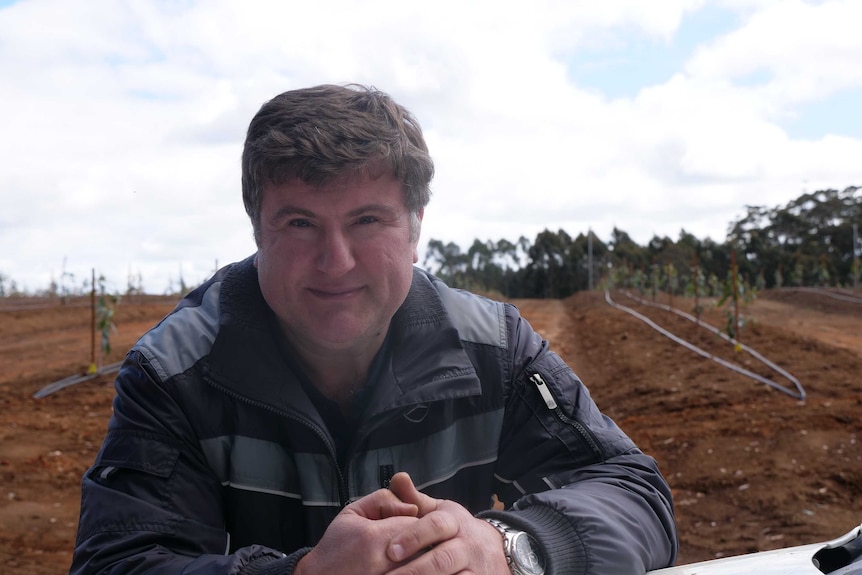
[{"x": 335, "y": 293}]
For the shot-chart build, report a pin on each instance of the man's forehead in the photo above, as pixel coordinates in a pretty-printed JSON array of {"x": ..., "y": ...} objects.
[{"x": 385, "y": 189}]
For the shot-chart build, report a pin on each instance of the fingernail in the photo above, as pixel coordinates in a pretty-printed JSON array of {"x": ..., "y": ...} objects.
[{"x": 397, "y": 551}]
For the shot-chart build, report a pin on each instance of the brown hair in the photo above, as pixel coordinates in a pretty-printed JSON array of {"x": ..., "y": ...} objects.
[{"x": 326, "y": 132}]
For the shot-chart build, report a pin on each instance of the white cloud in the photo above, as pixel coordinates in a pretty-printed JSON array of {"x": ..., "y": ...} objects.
[{"x": 807, "y": 51}]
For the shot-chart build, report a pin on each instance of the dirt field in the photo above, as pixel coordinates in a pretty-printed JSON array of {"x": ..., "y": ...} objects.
[{"x": 751, "y": 467}]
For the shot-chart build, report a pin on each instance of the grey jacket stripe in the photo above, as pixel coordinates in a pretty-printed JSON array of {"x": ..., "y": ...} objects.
[
  {"x": 478, "y": 319},
  {"x": 261, "y": 490},
  {"x": 467, "y": 443},
  {"x": 253, "y": 464},
  {"x": 443, "y": 478},
  {"x": 172, "y": 347}
]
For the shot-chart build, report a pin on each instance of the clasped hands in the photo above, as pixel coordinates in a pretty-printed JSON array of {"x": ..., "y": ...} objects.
[{"x": 400, "y": 531}]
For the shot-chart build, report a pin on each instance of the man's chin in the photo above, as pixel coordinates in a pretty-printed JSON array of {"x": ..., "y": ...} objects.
[
  {"x": 336, "y": 332},
  {"x": 342, "y": 337}
]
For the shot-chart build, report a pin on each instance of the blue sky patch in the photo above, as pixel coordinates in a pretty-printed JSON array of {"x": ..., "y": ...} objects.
[
  {"x": 836, "y": 115},
  {"x": 759, "y": 77},
  {"x": 636, "y": 62}
]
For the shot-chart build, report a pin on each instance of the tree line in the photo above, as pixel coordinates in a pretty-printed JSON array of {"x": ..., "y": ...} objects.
[{"x": 810, "y": 241}]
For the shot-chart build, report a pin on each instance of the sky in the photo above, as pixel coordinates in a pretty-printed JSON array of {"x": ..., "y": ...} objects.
[{"x": 122, "y": 123}]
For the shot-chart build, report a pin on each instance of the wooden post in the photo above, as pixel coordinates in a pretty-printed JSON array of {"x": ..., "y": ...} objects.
[
  {"x": 93, "y": 368},
  {"x": 590, "y": 257}
]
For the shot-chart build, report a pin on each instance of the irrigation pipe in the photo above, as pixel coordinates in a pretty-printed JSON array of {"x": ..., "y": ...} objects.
[
  {"x": 843, "y": 296},
  {"x": 72, "y": 380},
  {"x": 723, "y": 336},
  {"x": 798, "y": 393}
]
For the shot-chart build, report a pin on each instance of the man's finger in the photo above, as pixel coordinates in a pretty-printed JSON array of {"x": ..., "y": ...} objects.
[
  {"x": 402, "y": 486},
  {"x": 427, "y": 532},
  {"x": 382, "y": 504}
]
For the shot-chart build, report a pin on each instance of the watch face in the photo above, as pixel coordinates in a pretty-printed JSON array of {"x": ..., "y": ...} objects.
[{"x": 527, "y": 556}]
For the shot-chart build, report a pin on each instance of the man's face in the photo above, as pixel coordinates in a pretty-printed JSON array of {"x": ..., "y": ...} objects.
[{"x": 335, "y": 262}]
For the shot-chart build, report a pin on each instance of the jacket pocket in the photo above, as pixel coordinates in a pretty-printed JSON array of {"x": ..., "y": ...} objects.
[
  {"x": 130, "y": 487},
  {"x": 135, "y": 451}
]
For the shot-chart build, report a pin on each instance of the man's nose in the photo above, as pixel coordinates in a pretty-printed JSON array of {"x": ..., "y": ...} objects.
[{"x": 336, "y": 253}]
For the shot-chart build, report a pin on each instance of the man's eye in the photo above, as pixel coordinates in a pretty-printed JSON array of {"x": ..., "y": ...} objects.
[
  {"x": 366, "y": 220},
  {"x": 300, "y": 223}
]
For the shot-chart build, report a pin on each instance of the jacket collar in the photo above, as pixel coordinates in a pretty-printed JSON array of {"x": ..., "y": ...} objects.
[{"x": 427, "y": 360}]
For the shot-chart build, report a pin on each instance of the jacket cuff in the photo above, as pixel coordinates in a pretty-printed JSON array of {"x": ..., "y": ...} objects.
[
  {"x": 563, "y": 549},
  {"x": 271, "y": 565}
]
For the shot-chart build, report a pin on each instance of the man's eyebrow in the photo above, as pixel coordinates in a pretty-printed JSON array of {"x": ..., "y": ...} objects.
[
  {"x": 287, "y": 211},
  {"x": 387, "y": 209}
]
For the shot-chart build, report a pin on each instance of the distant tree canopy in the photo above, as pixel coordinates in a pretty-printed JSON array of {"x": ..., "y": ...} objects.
[{"x": 808, "y": 242}]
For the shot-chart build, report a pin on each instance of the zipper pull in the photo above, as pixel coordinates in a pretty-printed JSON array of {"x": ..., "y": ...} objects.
[{"x": 544, "y": 391}]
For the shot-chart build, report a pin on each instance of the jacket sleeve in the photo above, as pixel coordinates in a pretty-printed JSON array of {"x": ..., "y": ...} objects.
[
  {"x": 568, "y": 474},
  {"x": 149, "y": 504}
]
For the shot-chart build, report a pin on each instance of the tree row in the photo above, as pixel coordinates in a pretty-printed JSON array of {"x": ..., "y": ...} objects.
[{"x": 811, "y": 241}]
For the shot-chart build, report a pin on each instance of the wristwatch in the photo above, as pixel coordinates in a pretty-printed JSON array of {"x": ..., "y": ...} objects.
[{"x": 522, "y": 552}]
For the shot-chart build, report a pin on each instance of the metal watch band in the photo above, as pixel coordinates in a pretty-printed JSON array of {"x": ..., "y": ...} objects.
[
  {"x": 504, "y": 532},
  {"x": 512, "y": 538}
]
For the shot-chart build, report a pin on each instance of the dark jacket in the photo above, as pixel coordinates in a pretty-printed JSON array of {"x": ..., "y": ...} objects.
[{"x": 217, "y": 461}]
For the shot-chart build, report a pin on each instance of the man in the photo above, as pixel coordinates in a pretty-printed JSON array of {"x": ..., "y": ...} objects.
[{"x": 325, "y": 407}]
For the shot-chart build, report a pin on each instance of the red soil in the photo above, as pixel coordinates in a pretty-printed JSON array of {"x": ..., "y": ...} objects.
[{"x": 751, "y": 468}]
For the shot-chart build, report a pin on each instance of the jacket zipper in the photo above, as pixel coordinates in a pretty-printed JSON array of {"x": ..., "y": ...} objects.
[
  {"x": 343, "y": 493},
  {"x": 552, "y": 405}
]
